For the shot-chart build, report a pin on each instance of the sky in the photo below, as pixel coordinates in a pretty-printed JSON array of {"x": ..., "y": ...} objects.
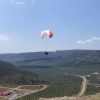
[{"x": 75, "y": 25}]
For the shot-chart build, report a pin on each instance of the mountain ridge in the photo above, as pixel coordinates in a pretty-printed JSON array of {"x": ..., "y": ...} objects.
[{"x": 66, "y": 58}]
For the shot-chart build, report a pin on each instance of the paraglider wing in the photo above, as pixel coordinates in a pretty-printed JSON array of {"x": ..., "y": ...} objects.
[
  {"x": 49, "y": 32},
  {"x": 44, "y": 33}
]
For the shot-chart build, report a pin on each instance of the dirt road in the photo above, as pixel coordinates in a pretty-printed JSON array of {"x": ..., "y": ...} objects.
[
  {"x": 83, "y": 86},
  {"x": 33, "y": 91}
]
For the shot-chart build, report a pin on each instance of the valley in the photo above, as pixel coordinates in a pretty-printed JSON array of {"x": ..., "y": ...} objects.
[{"x": 67, "y": 74}]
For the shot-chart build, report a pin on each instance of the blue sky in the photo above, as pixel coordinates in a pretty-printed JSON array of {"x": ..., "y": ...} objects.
[{"x": 75, "y": 24}]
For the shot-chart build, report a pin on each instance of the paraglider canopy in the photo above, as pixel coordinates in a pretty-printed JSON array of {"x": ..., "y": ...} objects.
[{"x": 49, "y": 32}]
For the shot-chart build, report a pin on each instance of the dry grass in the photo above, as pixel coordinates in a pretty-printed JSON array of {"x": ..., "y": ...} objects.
[{"x": 3, "y": 98}]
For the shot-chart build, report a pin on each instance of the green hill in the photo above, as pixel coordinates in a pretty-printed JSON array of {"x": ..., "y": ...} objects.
[{"x": 12, "y": 75}]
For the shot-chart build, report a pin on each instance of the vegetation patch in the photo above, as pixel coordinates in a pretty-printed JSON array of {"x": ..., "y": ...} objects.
[
  {"x": 92, "y": 90},
  {"x": 32, "y": 87},
  {"x": 61, "y": 86},
  {"x": 94, "y": 79}
]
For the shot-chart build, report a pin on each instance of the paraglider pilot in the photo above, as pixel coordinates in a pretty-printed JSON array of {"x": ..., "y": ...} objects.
[{"x": 46, "y": 53}]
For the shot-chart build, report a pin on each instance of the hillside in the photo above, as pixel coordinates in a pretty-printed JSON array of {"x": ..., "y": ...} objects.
[
  {"x": 65, "y": 58},
  {"x": 12, "y": 75}
]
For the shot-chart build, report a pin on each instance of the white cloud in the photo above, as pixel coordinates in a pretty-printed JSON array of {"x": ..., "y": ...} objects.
[
  {"x": 95, "y": 38},
  {"x": 88, "y": 40},
  {"x": 19, "y": 3},
  {"x": 83, "y": 42},
  {"x": 4, "y": 38},
  {"x": 33, "y": 1}
]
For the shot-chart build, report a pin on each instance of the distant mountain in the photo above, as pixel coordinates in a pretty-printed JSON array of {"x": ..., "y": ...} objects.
[
  {"x": 61, "y": 58},
  {"x": 12, "y": 75}
]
